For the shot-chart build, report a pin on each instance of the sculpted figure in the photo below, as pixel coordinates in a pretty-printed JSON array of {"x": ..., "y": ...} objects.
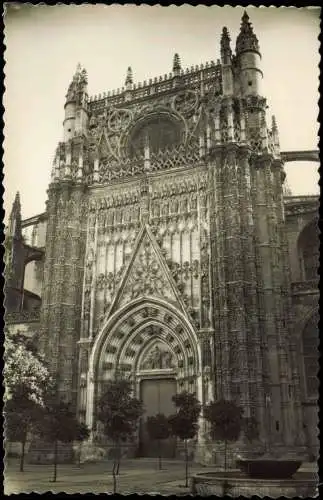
[{"x": 167, "y": 360}]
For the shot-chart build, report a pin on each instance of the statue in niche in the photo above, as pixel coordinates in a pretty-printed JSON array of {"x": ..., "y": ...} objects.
[{"x": 158, "y": 359}]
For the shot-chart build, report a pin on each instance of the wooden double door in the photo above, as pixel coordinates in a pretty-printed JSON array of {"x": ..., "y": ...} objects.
[{"x": 156, "y": 395}]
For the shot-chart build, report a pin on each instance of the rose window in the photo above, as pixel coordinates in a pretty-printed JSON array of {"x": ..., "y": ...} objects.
[{"x": 158, "y": 133}]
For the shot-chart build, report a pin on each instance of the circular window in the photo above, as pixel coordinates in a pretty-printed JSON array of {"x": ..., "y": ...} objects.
[{"x": 158, "y": 133}]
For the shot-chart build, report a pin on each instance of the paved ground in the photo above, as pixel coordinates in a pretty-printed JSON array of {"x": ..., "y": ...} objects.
[{"x": 136, "y": 476}]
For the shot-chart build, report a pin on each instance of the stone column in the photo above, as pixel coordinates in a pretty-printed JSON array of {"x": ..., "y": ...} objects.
[
  {"x": 220, "y": 308},
  {"x": 272, "y": 302},
  {"x": 54, "y": 301},
  {"x": 253, "y": 341},
  {"x": 234, "y": 266},
  {"x": 51, "y": 243},
  {"x": 292, "y": 406}
]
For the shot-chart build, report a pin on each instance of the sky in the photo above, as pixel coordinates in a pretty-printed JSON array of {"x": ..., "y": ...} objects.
[{"x": 45, "y": 43}]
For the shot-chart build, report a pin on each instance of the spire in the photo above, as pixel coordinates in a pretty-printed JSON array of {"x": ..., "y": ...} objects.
[
  {"x": 15, "y": 218},
  {"x": 226, "y": 51},
  {"x": 176, "y": 65},
  {"x": 275, "y": 135},
  {"x": 129, "y": 79},
  {"x": 246, "y": 39},
  {"x": 78, "y": 83}
]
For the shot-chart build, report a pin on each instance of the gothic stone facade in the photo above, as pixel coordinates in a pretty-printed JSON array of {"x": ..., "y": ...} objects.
[{"x": 168, "y": 247}]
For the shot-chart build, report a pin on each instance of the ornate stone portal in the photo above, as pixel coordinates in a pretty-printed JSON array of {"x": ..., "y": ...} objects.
[{"x": 165, "y": 237}]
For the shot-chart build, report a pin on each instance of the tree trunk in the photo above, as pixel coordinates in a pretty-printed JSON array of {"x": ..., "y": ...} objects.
[
  {"x": 55, "y": 460},
  {"x": 22, "y": 455},
  {"x": 159, "y": 455},
  {"x": 225, "y": 483},
  {"x": 115, "y": 464},
  {"x": 114, "y": 481},
  {"x": 186, "y": 464},
  {"x": 118, "y": 459},
  {"x": 225, "y": 455},
  {"x": 79, "y": 457}
]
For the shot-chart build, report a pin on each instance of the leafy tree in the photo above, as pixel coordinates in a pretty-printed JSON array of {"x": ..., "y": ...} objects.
[
  {"x": 119, "y": 412},
  {"x": 183, "y": 423},
  {"x": 82, "y": 433},
  {"x": 59, "y": 424},
  {"x": 158, "y": 429},
  {"x": 26, "y": 380},
  {"x": 25, "y": 370},
  {"x": 22, "y": 415},
  {"x": 225, "y": 418}
]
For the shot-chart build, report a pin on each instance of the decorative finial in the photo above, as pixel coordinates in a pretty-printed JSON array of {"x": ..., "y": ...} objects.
[
  {"x": 15, "y": 217},
  {"x": 78, "y": 83},
  {"x": 246, "y": 39},
  {"x": 176, "y": 65},
  {"x": 129, "y": 78},
  {"x": 245, "y": 17},
  {"x": 17, "y": 198},
  {"x": 226, "y": 51}
]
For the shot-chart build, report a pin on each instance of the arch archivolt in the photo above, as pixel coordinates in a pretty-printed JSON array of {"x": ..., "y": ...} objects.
[
  {"x": 131, "y": 333},
  {"x": 127, "y": 321},
  {"x": 139, "y": 343},
  {"x": 124, "y": 344}
]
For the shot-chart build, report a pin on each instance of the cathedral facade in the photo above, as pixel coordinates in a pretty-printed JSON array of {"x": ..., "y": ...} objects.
[{"x": 169, "y": 254}]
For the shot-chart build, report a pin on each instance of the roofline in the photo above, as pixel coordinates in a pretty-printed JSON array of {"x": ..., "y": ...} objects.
[{"x": 31, "y": 221}]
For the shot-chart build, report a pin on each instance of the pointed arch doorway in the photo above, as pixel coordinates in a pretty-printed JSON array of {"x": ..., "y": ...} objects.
[
  {"x": 154, "y": 345},
  {"x": 156, "y": 379}
]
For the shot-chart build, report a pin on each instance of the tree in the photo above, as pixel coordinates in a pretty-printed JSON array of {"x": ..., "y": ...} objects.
[
  {"x": 183, "y": 423},
  {"x": 26, "y": 379},
  {"x": 119, "y": 412},
  {"x": 225, "y": 418},
  {"x": 25, "y": 370},
  {"x": 82, "y": 433},
  {"x": 21, "y": 417},
  {"x": 158, "y": 429},
  {"x": 59, "y": 424}
]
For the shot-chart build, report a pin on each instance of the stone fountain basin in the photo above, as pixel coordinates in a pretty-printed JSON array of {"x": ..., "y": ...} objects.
[
  {"x": 236, "y": 483},
  {"x": 266, "y": 468}
]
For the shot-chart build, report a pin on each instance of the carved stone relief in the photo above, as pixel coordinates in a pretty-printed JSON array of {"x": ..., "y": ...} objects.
[{"x": 159, "y": 357}]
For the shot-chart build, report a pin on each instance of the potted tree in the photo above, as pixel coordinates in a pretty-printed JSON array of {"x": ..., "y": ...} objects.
[
  {"x": 225, "y": 418},
  {"x": 119, "y": 412},
  {"x": 184, "y": 423},
  {"x": 158, "y": 429},
  {"x": 59, "y": 425}
]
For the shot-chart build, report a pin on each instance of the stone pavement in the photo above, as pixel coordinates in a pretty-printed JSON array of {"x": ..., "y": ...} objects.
[{"x": 136, "y": 476}]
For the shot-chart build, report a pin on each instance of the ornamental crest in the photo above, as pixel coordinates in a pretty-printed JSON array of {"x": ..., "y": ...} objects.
[
  {"x": 146, "y": 278},
  {"x": 147, "y": 274}
]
